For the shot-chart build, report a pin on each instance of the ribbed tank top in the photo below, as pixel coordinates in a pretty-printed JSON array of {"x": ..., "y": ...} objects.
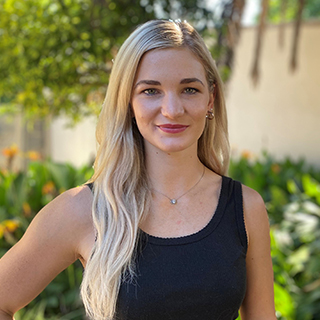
[{"x": 198, "y": 276}]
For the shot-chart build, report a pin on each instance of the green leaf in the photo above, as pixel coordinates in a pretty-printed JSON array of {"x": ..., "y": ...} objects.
[
  {"x": 292, "y": 187},
  {"x": 283, "y": 303}
]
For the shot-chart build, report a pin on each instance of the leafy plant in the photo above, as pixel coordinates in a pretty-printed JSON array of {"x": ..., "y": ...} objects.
[
  {"x": 22, "y": 195},
  {"x": 291, "y": 190},
  {"x": 299, "y": 237}
]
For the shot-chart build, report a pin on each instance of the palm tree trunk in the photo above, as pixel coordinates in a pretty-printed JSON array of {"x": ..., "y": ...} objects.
[
  {"x": 296, "y": 36},
  {"x": 255, "y": 73},
  {"x": 228, "y": 32},
  {"x": 283, "y": 9},
  {"x": 234, "y": 24}
]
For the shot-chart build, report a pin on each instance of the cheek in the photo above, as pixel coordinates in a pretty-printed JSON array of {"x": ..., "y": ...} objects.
[
  {"x": 198, "y": 113},
  {"x": 199, "y": 118},
  {"x": 143, "y": 117},
  {"x": 143, "y": 113}
]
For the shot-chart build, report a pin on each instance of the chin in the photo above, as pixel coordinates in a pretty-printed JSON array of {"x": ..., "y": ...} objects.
[{"x": 172, "y": 147}]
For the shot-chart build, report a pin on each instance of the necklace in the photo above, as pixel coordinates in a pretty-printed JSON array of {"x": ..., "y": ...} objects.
[{"x": 175, "y": 200}]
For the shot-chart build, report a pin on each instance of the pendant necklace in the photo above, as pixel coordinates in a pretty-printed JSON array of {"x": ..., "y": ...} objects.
[{"x": 175, "y": 200}]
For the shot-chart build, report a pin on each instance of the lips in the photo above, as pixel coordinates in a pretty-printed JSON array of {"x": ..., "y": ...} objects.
[{"x": 172, "y": 128}]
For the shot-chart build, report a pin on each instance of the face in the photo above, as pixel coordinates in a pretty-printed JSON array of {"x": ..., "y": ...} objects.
[{"x": 170, "y": 100}]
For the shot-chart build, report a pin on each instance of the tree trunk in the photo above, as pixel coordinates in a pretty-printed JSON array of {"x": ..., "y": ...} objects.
[
  {"x": 283, "y": 9},
  {"x": 255, "y": 73},
  {"x": 234, "y": 24},
  {"x": 296, "y": 35}
]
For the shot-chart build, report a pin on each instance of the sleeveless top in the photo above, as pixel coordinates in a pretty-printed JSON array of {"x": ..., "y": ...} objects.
[{"x": 198, "y": 276}]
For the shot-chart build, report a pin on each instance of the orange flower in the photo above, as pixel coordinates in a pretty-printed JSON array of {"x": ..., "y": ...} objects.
[
  {"x": 246, "y": 154},
  {"x": 275, "y": 168},
  {"x": 49, "y": 187},
  {"x": 33, "y": 155},
  {"x": 11, "y": 151},
  {"x": 26, "y": 209},
  {"x": 4, "y": 171}
]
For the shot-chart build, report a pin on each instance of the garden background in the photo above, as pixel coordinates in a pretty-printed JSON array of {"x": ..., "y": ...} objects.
[{"x": 55, "y": 60}]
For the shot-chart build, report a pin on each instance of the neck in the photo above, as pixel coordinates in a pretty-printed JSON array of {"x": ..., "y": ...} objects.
[{"x": 173, "y": 173}]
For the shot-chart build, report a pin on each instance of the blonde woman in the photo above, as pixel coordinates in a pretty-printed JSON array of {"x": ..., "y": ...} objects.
[{"x": 161, "y": 231}]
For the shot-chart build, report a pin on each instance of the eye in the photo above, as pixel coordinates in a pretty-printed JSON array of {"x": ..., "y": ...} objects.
[
  {"x": 150, "y": 92},
  {"x": 191, "y": 90}
]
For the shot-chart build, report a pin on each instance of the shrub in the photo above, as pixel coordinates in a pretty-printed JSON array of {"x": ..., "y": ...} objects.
[
  {"x": 22, "y": 195},
  {"x": 291, "y": 191}
]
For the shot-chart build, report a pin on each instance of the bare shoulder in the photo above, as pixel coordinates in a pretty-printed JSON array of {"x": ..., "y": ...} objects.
[
  {"x": 67, "y": 218},
  {"x": 252, "y": 200},
  {"x": 255, "y": 214},
  {"x": 74, "y": 205}
]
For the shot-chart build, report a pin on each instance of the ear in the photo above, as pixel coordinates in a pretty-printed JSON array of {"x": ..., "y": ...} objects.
[
  {"x": 211, "y": 100},
  {"x": 213, "y": 93}
]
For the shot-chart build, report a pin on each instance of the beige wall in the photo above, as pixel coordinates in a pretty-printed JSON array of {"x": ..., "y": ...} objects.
[
  {"x": 282, "y": 114},
  {"x": 11, "y": 133},
  {"x": 26, "y": 137},
  {"x": 76, "y": 144},
  {"x": 57, "y": 140}
]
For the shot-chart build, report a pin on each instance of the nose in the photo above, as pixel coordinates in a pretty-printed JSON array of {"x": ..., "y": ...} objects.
[{"x": 172, "y": 106}]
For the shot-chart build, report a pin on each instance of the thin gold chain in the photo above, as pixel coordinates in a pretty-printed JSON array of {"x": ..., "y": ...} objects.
[{"x": 175, "y": 200}]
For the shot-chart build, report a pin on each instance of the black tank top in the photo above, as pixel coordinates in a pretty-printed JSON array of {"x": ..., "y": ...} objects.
[{"x": 199, "y": 276}]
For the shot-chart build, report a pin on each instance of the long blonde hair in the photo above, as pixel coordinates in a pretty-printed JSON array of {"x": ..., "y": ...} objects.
[{"x": 121, "y": 191}]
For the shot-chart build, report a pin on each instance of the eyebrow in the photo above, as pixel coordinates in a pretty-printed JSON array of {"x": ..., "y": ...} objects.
[
  {"x": 190, "y": 80},
  {"x": 149, "y": 82},
  {"x": 157, "y": 83}
]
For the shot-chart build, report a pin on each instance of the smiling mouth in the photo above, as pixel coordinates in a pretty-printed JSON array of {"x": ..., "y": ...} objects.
[{"x": 172, "y": 128}]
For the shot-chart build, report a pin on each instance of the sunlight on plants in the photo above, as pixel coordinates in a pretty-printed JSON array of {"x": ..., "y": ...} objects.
[{"x": 290, "y": 190}]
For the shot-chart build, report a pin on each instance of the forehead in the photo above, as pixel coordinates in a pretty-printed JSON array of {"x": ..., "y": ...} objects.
[{"x": 170, "y": 63}]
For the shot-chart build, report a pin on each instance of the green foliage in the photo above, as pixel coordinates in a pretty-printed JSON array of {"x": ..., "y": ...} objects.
[
  {"x": 291, "y": 190},
  {"x": 22, "y": 195},
  {"x": 38, "y": 313},
  {"x": 311, "y": 10},
  {"x": 272, "y": 179},
  {"x": 283, "y": 303},
  {"x": 301, "y": 225},
  {"x": 56, "y": 56}
]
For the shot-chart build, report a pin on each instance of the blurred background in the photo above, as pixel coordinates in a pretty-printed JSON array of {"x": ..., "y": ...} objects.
[{"x": 55, "y": 61}]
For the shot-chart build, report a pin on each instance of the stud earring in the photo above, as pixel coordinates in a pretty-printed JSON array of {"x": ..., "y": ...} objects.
[{"x": 210, "y": 114}]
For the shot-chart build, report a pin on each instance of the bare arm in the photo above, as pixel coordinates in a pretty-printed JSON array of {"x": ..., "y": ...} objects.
[
  {"x": 259, "y": 300},
  {"x": 53, "y": 241},
  {"x": 5, "y": 316}
]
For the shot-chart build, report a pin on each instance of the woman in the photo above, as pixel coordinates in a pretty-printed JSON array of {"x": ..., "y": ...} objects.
[{"x": 163, "y": 234}]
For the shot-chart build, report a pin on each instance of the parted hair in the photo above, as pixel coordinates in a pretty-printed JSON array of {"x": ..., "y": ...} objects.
[{"x": 121, "y": 197}]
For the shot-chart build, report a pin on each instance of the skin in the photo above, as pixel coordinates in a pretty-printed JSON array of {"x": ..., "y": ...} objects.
[
  {"x": 181, "y": 94},
  {"x": 63, "y": 231}
]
